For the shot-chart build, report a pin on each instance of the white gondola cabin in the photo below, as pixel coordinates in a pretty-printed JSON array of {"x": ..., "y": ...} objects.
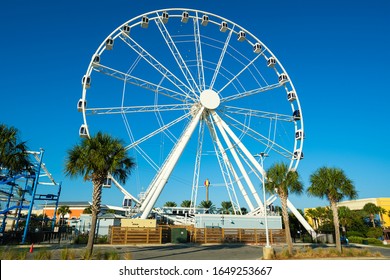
[
  {"x": 82, "y": 104},
  {"x": 107, "y": 183},
  {"x": 205, "y": 20},
  {"x": 144, "y": 22},
  {"x": 299, "y": 134},
  {"x": 96, "y": 60},
  {"x": 126, "y": 202},
  {"x": 109, "y": 44},
  {"x": 257, "y": 48},
  {"x": 283, "y": 78},
  {"x": 298, "y": 154},
  {"x": 184, "y": 17},
  {"x": 86, "y": 80},
  {"x": 83, "y": 131},
  {"x": 291, "y": 96},
  {"x": 241, "y": 36},
  {"x": 297, "y": 115},
  {"x": 271, "y": 62},
  {"x": 223, "y": 27},
  {"x": 164, "y": 17},
  {"x": 126, "y": 29}
]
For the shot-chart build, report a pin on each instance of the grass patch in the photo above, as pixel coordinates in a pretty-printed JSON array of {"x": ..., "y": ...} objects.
[
  {"x": 324, "y": 253},
  {"x": 68, "y": 254},
  {"x": 12, "y": 254},
  {"x": 42, "y": 255}
]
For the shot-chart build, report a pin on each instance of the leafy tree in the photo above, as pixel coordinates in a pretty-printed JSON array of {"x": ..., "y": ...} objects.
[
  {"x": 282, "y": 181},
  {"x": 94, "y": 159},
  {"x": 333, "y": 184},
  {"x": 345, "y": 217},
  {"x": 170, "y": 204},
  {"x": 186, "y": 203},
  {"x": 226, "y": 207},
  {"x": 62, "y": 211},
  {"x": 13, "y": 153}
]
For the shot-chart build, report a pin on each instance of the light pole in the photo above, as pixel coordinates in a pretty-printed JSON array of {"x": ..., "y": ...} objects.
[
  {"x": 268, "y": 252},
  {"x": 262, "y": 156}
]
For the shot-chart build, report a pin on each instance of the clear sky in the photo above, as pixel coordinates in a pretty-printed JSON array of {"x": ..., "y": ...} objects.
[{"x": 335, "y": 52}]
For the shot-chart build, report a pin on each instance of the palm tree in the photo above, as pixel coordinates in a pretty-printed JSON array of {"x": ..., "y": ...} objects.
[
  {"x": 226, "y": 207},
  {"x": 333, "y": 184},
  {"x": 371, "y": 209},
  {"x": 170, "y": 204},
  {"x": 208, "y": 205},
  {"x": 313, "y": 215},
  {"x": 13, "y": 154},
  {"x": 345, "y": 217},
  {"x": 87, "y": 210},
  {"x": 282, "y": 181},
  {"x": 94, "y": 159},
  {"x": 186, "y": 203},
  {"x": 62, "y": 211}
]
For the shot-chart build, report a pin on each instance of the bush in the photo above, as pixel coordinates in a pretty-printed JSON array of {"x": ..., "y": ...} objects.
[
  {"x": 81, "y": 239},
  {"x": 375, "y": 232},
  {"x": 355, "y": 239},
  {"x": 374, "y": 241},
  {"x": 355, "y": 233}
]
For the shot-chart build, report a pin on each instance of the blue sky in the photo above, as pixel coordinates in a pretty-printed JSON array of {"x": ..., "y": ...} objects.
[{"x": 336, "y": 53}]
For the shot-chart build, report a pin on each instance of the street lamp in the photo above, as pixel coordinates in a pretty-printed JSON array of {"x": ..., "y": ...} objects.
[
  {"x": 267, "y": 250},
  {"x": 262, "y": 155}
]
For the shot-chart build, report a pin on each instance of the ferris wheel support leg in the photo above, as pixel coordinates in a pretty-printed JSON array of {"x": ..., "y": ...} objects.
[
  {"x": 301, "y": 219},
  {"x": 251, "y": 158},
  {"x": 239, "y": 164},
  {"x": 166, "y": 171}
]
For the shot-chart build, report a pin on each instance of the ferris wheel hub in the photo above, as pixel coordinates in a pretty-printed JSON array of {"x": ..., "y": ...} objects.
[{"x": 210, "y": 99}]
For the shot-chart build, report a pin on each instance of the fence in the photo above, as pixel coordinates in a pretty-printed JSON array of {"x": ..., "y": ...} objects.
[{"x": 162, "y": 234}]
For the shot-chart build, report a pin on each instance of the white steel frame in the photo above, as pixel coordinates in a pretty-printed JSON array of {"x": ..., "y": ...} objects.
[{"x": 229, "y": 125}]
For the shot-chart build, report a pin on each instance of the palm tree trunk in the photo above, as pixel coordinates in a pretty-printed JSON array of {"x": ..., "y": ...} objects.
[
  {"x": 97, "y": 197},
  {"x": 283, "y": 200},
  {"x": 336, "y": 222}
]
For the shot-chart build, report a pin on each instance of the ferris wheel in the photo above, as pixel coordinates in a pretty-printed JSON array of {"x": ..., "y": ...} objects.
[{"x": 195, "y": 96}]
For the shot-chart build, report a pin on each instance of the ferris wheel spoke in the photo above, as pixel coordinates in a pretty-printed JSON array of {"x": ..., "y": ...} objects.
[
  {"x": 199, "y": 54},
  {"x": 223, "y": 52},
  {"x": 266, "y": 141},
  {"x": 176, "y": 54},
  {"x": 250, "y": 92},
  {"x": 157, "y": 131},
  {"x": 257, "y": 113},
  {"x": 130, "y": 79},
  {"x": 137, "y": 109},
  {"x": 239, "y": 73},
  {"x": 158, "y": 66}
]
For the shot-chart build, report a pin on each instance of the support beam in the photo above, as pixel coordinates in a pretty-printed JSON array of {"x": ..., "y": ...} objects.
[{"x": 170, "y": 164}]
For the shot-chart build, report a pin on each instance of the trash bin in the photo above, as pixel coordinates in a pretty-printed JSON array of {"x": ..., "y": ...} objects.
[
  {"x": 365, "y": 241},
  {"x": 178, "y": 235},
  {"x": 329, "y": 238}
]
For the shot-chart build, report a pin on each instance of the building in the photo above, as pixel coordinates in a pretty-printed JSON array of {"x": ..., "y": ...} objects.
[
  {"x": 358, "y": 204},
  {"x": 76, "y": 210}
]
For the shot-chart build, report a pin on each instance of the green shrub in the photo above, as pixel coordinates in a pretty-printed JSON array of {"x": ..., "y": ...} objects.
[
  {"x": 374, "y": 232},
  {"x": 355, "y": 239},
  {"x": 374, "y": 241},
  {"x": 81, "y": 239},
  {"x": 354, "y": 233}
]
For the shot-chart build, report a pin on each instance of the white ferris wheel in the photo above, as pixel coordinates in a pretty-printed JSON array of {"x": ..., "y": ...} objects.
[{"x": 194, "y": 96}]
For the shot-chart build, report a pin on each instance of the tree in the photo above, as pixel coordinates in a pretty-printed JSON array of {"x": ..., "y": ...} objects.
[
  {"x": 312, "y": 213},
  {"x": 371, "y": 209},
  {"x": 62, "y": 211},
  {"x": 226, "y": 207},
  {"x": 208, "y": 205},
  {"x": 170, "y": 204},
  {"x": 333, "y": 184},
  {"x": 282, "y": 181},
  {"x": 13, "y": 153},
  {"x": 87, "y": 210},
  {"x": 186, "y": 203},
  {"x": 94, "y": 159},
  {"x": 345, "y": 217}
]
